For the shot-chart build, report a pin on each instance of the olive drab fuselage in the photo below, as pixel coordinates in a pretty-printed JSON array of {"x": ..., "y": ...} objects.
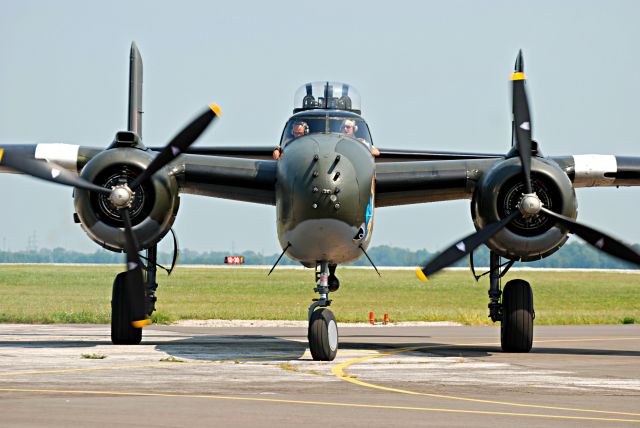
[{"x": 325, "y": 192}]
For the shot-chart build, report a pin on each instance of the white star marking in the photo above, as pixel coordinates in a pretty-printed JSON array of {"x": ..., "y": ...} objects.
[
  {"x": 460, "y": 246},
  {"x": 526, "y": 126},
  {"x": 132, "y": 265},
  {"x": 600, "y": 243},
  {"x": 175, "y": 150},
  {"x": 55, "y": 173}
]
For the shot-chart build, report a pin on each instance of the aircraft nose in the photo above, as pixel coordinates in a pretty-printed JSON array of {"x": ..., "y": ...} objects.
[{"x": 323, "y": 180}]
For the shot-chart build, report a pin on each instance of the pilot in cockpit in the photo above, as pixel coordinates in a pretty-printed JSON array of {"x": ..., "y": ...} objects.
[
  {"x": 298, "y": 129},
  {"x": 349, "y": 128}
]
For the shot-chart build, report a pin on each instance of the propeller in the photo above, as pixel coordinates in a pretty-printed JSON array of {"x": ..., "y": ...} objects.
[
  {"x": 121, "y": 197},
  {"x": 597, "y": 239},
  {"x": 522, "y": 120},
  {"x": 463, "y": 247},
  {"x": 529, "y": 205},
  {"x": 48, "y": 171}
]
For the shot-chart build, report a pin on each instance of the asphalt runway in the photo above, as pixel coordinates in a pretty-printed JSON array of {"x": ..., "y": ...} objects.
[{"x": 53, "y": 375}]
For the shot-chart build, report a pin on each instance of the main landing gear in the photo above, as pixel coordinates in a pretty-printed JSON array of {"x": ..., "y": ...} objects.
[
  {"x": 122, "y": 332},
  {"x": 515, "y": 312},
  {"x": 323, "y": 329}
]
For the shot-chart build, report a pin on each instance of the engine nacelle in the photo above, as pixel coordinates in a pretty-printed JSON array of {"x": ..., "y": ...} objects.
[
  {"x": 154, "y": 207},
  {"x": 498, "y": 194}
]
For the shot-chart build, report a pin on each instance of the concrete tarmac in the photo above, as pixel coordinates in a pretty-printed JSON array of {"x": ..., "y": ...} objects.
[{"x": 71, "y": 375}]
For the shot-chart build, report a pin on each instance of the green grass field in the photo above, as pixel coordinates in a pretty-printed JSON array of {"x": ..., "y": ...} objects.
[{"x": 82, "y": 294}]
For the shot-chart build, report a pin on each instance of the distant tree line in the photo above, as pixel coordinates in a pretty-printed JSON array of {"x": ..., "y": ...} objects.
[{"x": 572, "y": 255}]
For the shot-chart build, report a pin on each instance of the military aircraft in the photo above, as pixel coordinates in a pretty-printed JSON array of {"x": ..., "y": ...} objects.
[{"x": 325, "y": 178}]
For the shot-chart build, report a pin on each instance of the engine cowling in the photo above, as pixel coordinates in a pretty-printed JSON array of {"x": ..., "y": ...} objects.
[
  {"x": 153, "y": 209},
  {"x": 498, "y": 194}
]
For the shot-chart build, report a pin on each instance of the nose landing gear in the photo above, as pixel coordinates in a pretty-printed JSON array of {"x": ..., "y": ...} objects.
[{"x": 323, "y": 329}]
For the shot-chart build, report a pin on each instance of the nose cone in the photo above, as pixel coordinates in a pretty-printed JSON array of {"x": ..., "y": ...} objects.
[{"x": 324, "y": 185}]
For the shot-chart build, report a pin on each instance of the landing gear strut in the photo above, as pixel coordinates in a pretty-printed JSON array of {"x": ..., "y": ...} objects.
[
  {"x": 323, "y": 329},
  {"x": 515, "y": 312},
  {"x": 122, "y": 332}
]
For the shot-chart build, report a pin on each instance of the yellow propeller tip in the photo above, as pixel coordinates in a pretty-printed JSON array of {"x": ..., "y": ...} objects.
[
  {"x": 1, "y": 154},
  {"x": 141, "y": 323},
  {"x": 518, "y": 75},
  {"x": 421, "y": 276},
  {"x": 215, "y": 108}
]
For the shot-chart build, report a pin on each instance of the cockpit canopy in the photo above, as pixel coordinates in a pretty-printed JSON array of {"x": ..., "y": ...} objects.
[
  {"x": 326, "y": 122},
  {"x": 327, "y": 95}
]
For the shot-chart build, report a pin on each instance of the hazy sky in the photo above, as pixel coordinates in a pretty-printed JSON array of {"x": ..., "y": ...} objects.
[{"x": 432, "y": 75}]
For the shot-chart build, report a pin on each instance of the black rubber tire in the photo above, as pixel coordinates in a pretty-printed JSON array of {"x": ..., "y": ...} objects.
[
  {"x": 516, "y": 330},
  {"x": 122, "y": 332},
  {"x": 323, "y": 335}
]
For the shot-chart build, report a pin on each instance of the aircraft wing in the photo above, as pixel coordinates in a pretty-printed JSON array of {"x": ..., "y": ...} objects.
[
  {"x": 397, "y": 155},
  {"x": 249, "y": 152},
  {"x": 403, "y": 183},
  {"x": 248, "y": 180},
  {"x": 386, "y": 155},
  {"x": 243, "y": 179}
]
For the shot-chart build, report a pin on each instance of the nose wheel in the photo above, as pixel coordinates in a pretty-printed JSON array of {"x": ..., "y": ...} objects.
[
  {"x": 323, "y": 335},
  {"x": 323, "y": 329}
]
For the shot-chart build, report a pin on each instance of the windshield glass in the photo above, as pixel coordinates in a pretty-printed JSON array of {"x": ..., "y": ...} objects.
[
  {"x": 298, "y": 127},
  {"x": 347, "y": 126}
]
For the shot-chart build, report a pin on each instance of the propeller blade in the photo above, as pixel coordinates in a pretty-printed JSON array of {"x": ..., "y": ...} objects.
[
  {"x": 179, "y": 143},
  {"x": 522, "y": 120},
  {"x": 134, "y": 279},
  {"x": 49, "y": 172},
  {"x": 597, "y": 239},
  {"x": 464, "y": 247}
]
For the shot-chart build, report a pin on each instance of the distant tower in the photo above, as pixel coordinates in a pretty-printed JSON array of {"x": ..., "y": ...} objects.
[{"x": 32, "y": 242}]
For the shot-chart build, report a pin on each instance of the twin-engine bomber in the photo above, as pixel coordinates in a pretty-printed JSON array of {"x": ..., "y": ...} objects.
[{"x": 325, "y": 178}]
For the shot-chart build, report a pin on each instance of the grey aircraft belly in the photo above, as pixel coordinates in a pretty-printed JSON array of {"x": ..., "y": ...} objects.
[{"x": 325, "y": 178}]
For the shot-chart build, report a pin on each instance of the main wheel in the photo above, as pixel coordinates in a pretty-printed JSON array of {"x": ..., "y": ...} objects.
[
  {"x": 122, "y": 332},
  {"x": 516, "y": 330},
  {"x": 323, "y": 335}
]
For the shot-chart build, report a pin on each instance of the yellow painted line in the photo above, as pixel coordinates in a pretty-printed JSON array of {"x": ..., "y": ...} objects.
[
  {"x": 82, "y": 369},
  {"x": 339, "y": 370},
  {"x": 138, "y": 366},
  {"x": 318, "y": 403}
]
